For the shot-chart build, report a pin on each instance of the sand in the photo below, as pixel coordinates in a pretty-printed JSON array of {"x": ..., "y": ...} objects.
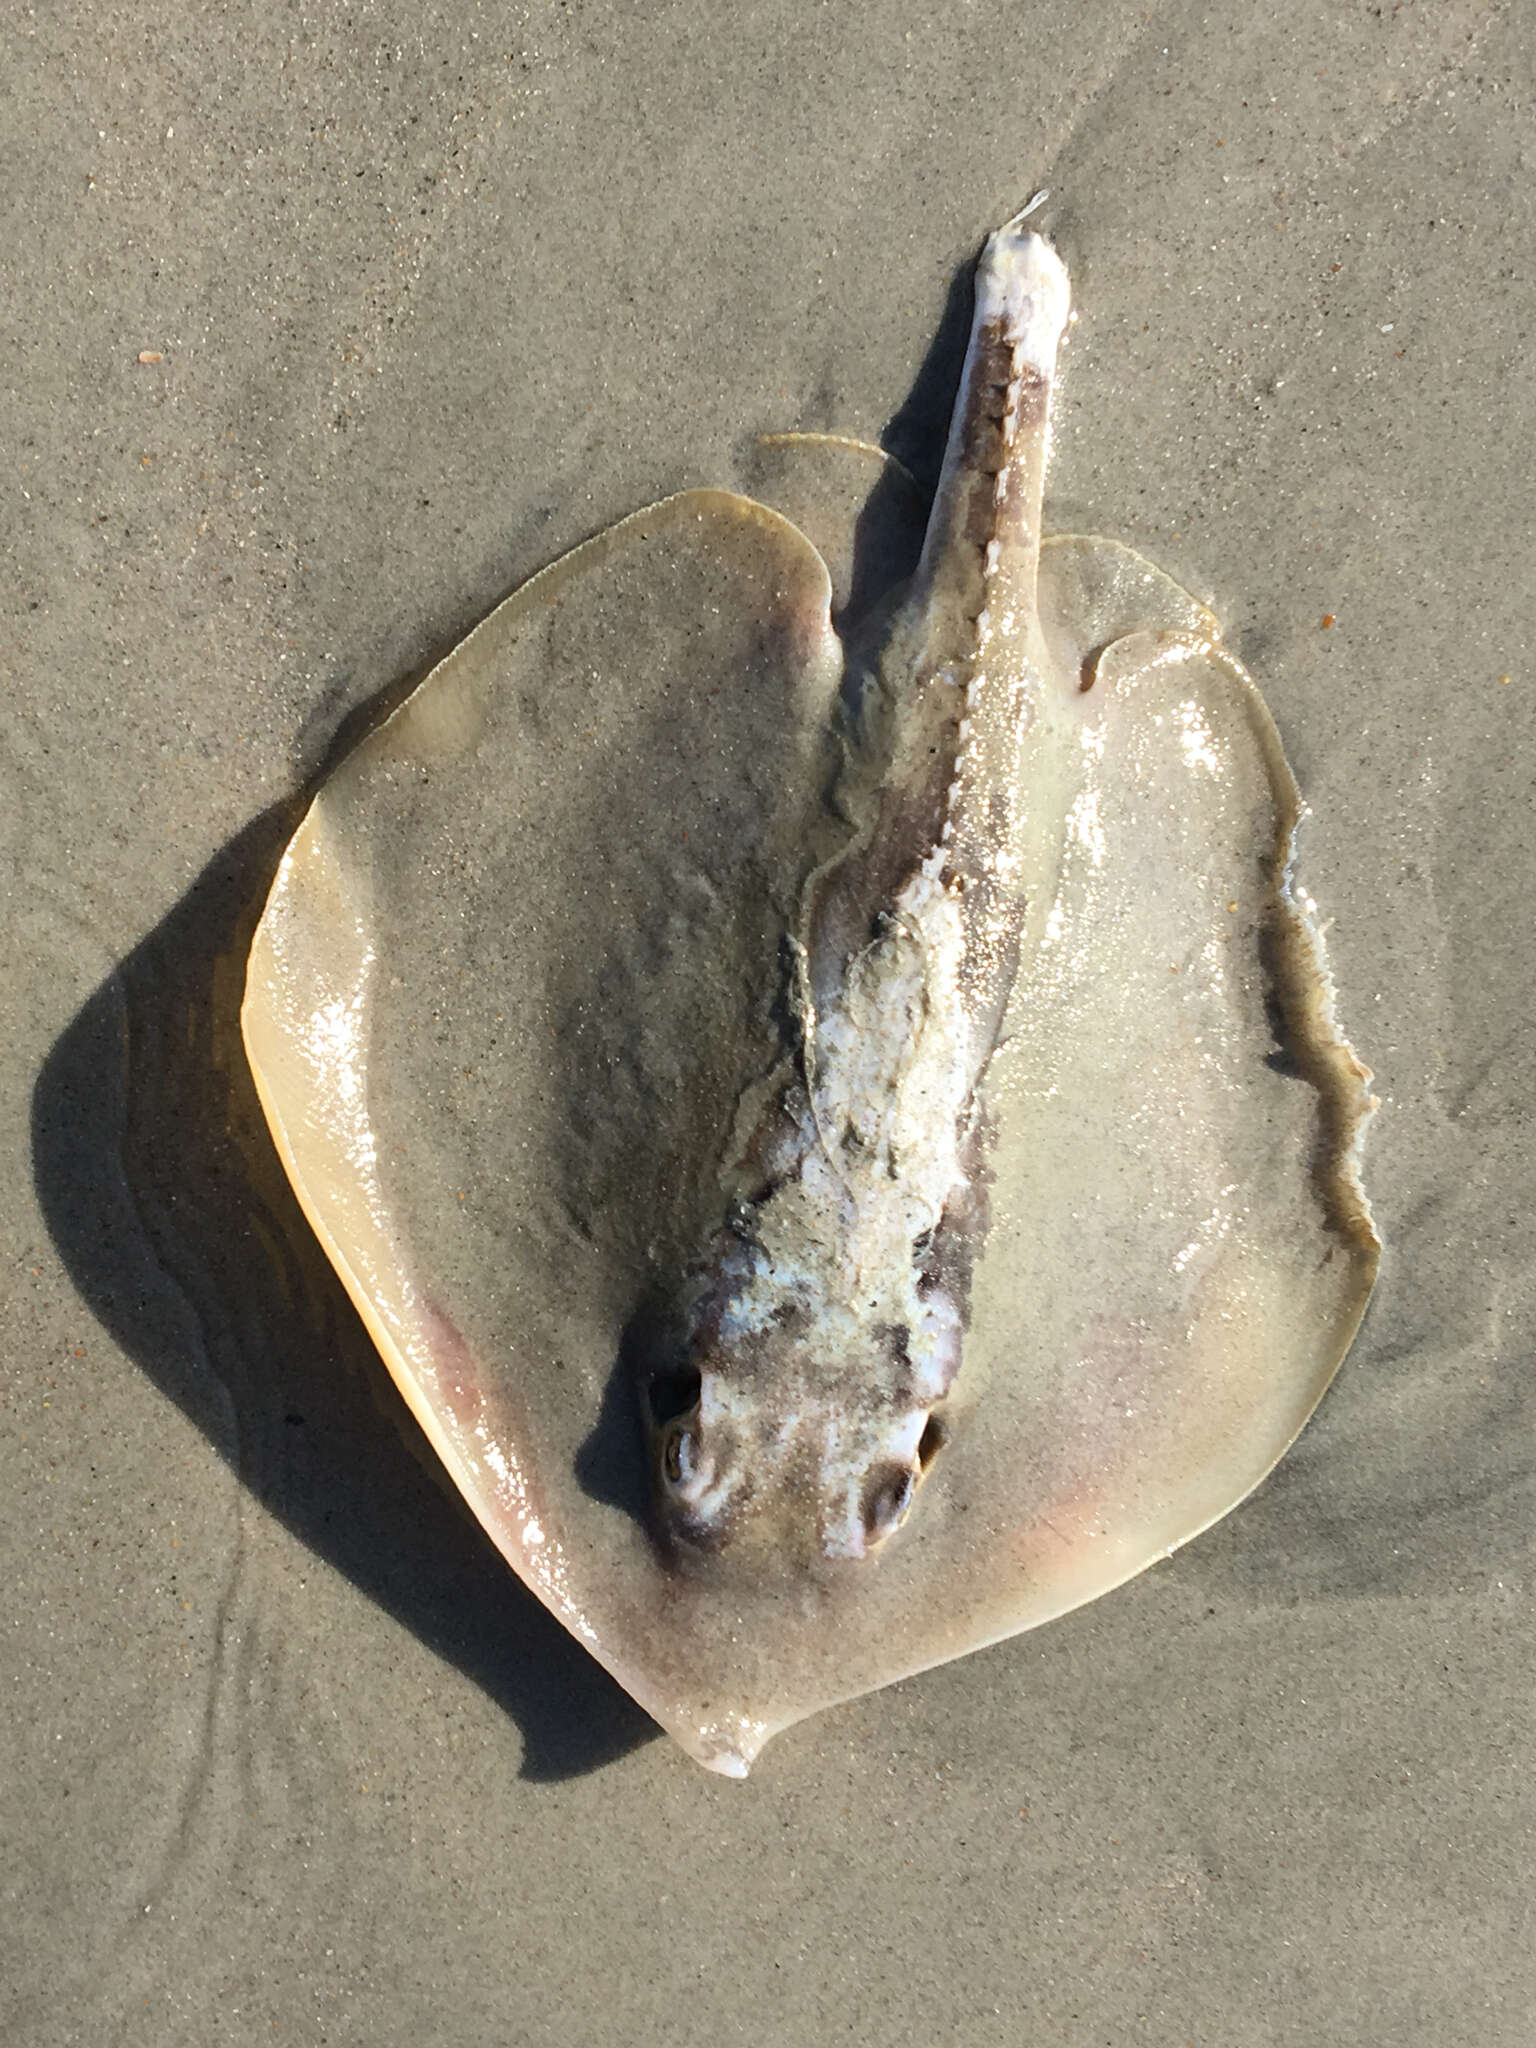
[{"x": 326, "y": 330}]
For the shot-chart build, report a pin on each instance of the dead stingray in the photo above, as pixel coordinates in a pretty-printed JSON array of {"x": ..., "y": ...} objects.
[{"x": 841, "y": 1139}]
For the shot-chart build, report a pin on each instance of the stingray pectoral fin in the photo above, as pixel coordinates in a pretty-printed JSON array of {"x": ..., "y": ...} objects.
[
  {"x": 1180, "y": 1250},
  {"x": 515, "y": 971}
]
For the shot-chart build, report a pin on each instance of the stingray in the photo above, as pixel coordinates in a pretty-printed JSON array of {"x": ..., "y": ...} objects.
[{"x": 829, "y": 1101}]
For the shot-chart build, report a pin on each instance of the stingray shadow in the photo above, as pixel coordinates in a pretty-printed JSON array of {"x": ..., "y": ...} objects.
[
  {"x": 162, "y": 1190},
  {"x": 916, "y": 432}
]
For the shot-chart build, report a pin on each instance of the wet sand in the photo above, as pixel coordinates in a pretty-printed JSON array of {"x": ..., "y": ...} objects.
[{"x": 327, "y": 332}]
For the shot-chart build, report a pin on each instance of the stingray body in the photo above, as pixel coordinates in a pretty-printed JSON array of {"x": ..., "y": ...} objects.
[
  {"x": 957, "y": 1172},
  {"x": 829, "y": 1323}
]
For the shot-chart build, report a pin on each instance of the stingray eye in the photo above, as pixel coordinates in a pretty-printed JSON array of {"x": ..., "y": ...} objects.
[
  {"x": 679, "y": 1454},
  {"x": 886, "y": 1500}
]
